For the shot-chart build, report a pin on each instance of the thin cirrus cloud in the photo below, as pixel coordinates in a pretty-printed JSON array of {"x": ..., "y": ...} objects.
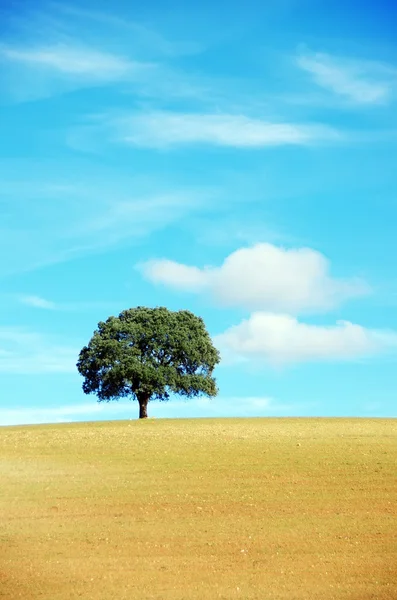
[
  {"x": 358, "y": 81},
  {"x": 144, "y": 213},
  {"x": 163, "y": 129},
  {"x": 25, "y": 352},
  {"x": 73, "y": 61},
  {"x": 99, "y": 212},
  {"x": 37, "y": 302},
  {"x": 281, "y": 339},
  {"x": 31, "y": 73},
  {"x": 262, "y": 277},
  {"x": 72, "y": 48},
  {"x": 140, "y": 36},
  {"x": 197, "y": 407},
  {"x": 129, "y": 220},
  {"x": 58, "y": 414}
]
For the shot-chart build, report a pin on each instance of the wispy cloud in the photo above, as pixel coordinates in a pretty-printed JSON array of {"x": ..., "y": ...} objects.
[
  {"x": 69, "y": 60},
  {"x": 197, "y": 407},
  {"x": 51, "y": 414},
  {"x": 44, "y": 304},
  {"x": 24, "y": 352},
  {"x": 67, "y": 48},
  {"x": 166, "y": 129},
  {"x": 225, "y": 406},
  {"x": 281, "y": 339},
  {"x": 37, "y": 302},
  {"x": 358, "y": 81},
  {"x": 262, "y": 277},
  {"x": 141, "y": 37},
  {"x": 95, "y": 213},
  {"x": 144, "y": 214},
  {"x": 128, "y": 221},
  {"x": 40, "y": 71}
]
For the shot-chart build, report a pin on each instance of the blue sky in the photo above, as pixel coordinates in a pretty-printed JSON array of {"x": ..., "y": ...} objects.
[{"x": 240, "y": 164}]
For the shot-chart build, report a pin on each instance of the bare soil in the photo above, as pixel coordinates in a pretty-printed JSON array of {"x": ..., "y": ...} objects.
[{"x": 264, "y": 509}]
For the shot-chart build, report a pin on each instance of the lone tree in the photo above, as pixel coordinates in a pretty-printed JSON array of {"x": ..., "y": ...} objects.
[{"x": 148, "y": 353}]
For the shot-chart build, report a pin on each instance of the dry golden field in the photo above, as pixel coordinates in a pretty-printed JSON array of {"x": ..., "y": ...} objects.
[{"x": 265, "y": 509}]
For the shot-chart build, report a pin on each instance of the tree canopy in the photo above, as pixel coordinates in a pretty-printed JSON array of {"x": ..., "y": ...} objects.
[{"x": 147, "y": 354}]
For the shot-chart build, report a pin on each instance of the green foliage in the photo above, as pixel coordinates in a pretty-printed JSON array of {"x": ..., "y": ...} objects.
[{"x": 148, "y": 353}]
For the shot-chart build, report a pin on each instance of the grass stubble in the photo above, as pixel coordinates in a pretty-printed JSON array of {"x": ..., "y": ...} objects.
[{"x": 264, "y": 509}]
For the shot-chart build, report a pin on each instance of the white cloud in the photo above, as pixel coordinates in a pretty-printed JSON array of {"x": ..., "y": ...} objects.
[
  {"x": 37, "y": 302},
  {"x": 74, "y": 61},
  {"x": 164, "y": 129},
  {"x": 262, "y": 277},
  {"x": 281, "y": 339},
  {"x": 361, "y": 82},
  {"x": 182, "y": 277},
  {"x": 24, "y": 352}
]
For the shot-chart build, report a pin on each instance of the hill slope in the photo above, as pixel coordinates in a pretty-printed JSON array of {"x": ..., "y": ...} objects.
[{"x": 195, "y": 509}]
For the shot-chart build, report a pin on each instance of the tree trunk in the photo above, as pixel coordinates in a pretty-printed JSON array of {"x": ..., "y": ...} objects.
[{"x": 143, "y": 400}]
